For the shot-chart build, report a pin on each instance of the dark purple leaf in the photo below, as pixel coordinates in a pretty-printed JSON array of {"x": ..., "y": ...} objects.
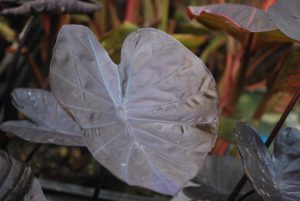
[
  {"x": 285, "y": 14},
  {"x": 274, "y": 178},
  {"x": 243, "y": 17},
  {"x": 286, "y": 160},
  {"x": 17, "y": 181},
  {"x": 217, "y": 179},
  {"x": 50, "y": 122},
  {"x": 152, "y": 119},
  {"x": 239, "y": 20},
  {"x": 52, "y": 7}
]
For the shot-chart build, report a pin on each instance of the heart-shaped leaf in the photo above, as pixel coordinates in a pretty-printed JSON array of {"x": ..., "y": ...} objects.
[
  {"x": 217, "y": 179},
  {"x": 52, "y": 7},
  {"x": 285, "y": 14},
  {"x": 17, "y": 181},
  {"x": 50, "y": 122},
  {"x": 238, "y": 20},
  {"x": 274, "y": 177},
  {"x": 152, "y": 119}
]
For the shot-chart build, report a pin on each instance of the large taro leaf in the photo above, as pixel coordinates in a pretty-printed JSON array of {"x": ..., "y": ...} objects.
[
  {"x": 152, "y": 119},
  {"x": 274, "y": 177},
  {"x": 239, "y": 20},
  {"x": 285, "y": 14},
  {"x": 17, "y": 182},
  {"x": 217, "y": 179},
  {"x": 50, "y": 122}
]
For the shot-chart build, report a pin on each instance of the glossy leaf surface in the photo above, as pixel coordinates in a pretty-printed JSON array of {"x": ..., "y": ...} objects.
[
  {"x": 285, "y": 14},
  {"x": 52, "y": 7},
  {"x": 239, "y": 20},
  {"x": 152, "y": 119},
  {"x": 217, "y": 179},
  {"x": 274, "y": 177},
  {"x": 50, "y": 122},
  {"x": 17, "y": 181}
]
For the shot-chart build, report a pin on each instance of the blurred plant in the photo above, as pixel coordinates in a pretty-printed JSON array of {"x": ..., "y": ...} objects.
[{"x": 262, "y": 47}]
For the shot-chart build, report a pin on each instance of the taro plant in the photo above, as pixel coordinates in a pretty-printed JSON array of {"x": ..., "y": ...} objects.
[{"x": 151, "y": 120}]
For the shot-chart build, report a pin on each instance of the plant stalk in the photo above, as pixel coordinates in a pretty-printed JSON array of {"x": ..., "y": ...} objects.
[
  {"x": 32, "y": 153},
  {"x": 99, "y": 184},
  {"x": 165, "y": 15},
  {"x": 13, "y": 70},
  {"x": 240, "y": 80},
  {"x": 132, "y": 11}
]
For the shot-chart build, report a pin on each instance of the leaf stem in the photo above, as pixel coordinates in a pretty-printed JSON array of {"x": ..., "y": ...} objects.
[
  {"x": 32, "y": 153},
  {"x": 13, "y": 70},
  {"x": 237, "y": 188},
  {"x": 99, "y": 183},
  {"x": 283, "y": 117},
  {"x": 246, "y": 195},
  {"x": 239, "y": 83},
  {"x": 165, "y": 15}
]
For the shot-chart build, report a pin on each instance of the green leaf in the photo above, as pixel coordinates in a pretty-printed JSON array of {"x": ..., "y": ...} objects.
[
  {"x": 6, "y": 32},
  {"x": 114, "y": 39}
]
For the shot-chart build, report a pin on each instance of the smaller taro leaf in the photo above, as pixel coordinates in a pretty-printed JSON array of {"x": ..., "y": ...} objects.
[
  {"x": 286, "y": 160},
  {"x": 50, "y": 122},
  {"x": 17, "y": 181},
  {"x": 52, "y": 7},
  {"x": 152, "y": 119},
  {"x": 274, "y": 178},
  {"x": 285, "y": 14},
  {"x": 238, "y": 20},
  {"x": 257, "y": 162},
  {"x": 217, "y": 179}
]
